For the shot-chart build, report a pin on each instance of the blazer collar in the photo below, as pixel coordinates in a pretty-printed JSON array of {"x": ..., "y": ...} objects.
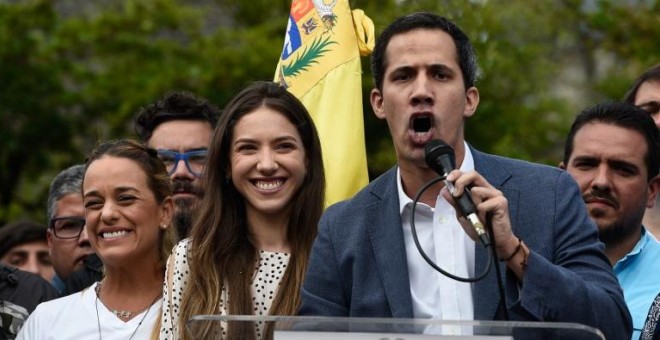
[
  {"x": 386, "y": 235},
  {"x": 491, "y": 167}
]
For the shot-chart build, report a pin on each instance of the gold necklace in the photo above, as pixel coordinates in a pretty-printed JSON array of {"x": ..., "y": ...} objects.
[
  {"x": 98, "y": 319},
  {"x": 126, "y": 314}
]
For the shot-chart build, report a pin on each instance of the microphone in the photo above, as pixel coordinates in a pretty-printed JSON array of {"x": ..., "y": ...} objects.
[{"x": 440, "y": 158}]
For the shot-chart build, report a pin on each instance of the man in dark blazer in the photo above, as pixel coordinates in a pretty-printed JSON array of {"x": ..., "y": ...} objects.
[{"x": 363, "y": 263}]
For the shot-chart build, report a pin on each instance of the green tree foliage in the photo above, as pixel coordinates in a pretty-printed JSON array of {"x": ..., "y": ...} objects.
[
  {"x": 33, "y": 130},
  {"x": 75, "y": 76},
  {"x": 541, "y": 62},
  {"x": 75, "y": 72},
  {"x": 627, "y": 36}
]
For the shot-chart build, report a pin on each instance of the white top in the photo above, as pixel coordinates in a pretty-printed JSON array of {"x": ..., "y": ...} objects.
[
  {"x": 265, "y": 283},
  {"x": 445, "y": 242},
  {"x": 75, "y": 317}
]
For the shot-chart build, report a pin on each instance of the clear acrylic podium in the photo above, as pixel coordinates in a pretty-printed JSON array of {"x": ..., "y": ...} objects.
[{"x": 327, "y": 328}]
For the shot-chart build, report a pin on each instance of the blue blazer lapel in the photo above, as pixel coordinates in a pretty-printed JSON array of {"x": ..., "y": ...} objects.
[
  {"x": 486, "y": 294},
  {"x": 386, "y": 235}
]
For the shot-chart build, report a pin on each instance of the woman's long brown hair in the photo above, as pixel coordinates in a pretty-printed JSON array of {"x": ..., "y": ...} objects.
[{"x": 221, "y": 252}]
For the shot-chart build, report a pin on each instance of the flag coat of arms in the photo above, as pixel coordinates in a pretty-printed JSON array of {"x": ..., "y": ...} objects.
[{"x": 320, "y": 65}]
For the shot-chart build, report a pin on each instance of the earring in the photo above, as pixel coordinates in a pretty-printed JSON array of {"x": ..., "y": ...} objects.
[{"x": 163, "y": 226}]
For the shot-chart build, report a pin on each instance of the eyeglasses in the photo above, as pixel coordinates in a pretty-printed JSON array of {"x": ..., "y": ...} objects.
[
  {"x": 67, "y": 226},
  {"x": 195, "y": 160}
]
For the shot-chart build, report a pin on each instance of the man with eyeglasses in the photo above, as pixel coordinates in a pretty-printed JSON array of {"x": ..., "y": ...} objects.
[
  {"x": 180, "y": 126},
  {"x": 645, "y": 93},
  {"x": 67, "y": 239}
]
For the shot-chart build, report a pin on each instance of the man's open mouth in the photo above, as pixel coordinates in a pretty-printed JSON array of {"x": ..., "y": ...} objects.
[{"x": 421, "y": 123}]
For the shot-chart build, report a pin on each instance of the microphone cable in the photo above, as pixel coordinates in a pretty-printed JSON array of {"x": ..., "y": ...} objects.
[
  {"x": 498, "y": 272},
  {"x": 491, "y": 255}
]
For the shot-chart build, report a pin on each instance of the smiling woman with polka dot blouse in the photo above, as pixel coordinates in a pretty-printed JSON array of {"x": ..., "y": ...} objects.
[{"x": 249, "y": 245}]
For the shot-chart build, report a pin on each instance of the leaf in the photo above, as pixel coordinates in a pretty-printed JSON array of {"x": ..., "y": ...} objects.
[{"x": 310, "y": 56}]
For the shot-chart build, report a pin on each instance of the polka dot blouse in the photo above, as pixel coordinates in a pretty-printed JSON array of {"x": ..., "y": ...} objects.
[{"x": 265, "y": 283}]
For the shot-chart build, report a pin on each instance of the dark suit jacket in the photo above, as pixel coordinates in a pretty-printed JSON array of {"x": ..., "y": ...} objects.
[{"x": 358, "y": 263}]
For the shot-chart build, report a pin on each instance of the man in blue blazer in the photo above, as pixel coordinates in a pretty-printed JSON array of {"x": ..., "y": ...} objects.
[{"x": 364, "y": 263}]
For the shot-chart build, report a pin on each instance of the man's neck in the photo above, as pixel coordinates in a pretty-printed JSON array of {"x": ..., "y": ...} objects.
[{"x": 616, "y": 251}]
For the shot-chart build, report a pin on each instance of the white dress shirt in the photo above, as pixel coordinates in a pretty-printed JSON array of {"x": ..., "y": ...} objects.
[{"x": 435, "y": 296}]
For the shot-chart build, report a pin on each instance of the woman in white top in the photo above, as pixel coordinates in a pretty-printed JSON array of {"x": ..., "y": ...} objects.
[
  {"x": 128, "y": 209},
  {"x": 251, "y": 240}
]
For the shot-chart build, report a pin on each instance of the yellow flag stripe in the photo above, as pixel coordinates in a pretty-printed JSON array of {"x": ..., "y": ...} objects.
[{"x": 322, "y": 68}]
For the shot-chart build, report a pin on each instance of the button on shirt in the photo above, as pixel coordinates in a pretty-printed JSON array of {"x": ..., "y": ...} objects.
[
  {"x": 435, "y": 296},
  {"x": 638, "y": 275}
]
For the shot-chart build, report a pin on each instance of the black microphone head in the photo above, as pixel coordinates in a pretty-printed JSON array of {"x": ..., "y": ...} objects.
[{"x": 439, "y": 156}]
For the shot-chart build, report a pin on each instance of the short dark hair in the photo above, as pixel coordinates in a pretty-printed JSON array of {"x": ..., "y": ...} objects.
[
  {"x": 624, "y": 115},
  {"x": 467, "y": 59},
  {"x": 174, "y": 106},
  {"x": 652, "y": 74},
  {"x": 20, "y": 232}
]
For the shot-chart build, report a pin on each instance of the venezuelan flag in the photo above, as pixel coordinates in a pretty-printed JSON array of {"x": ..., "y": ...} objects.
[{"x": 320, "y": 65}]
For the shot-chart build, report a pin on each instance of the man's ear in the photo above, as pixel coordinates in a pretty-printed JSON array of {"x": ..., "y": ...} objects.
[
  {"x": 654, "y": 187},
  {"x": 49, "y": 238},
  {"x": 562, "y": 165},
  {"x": 471, "y": 101},
  {"x": 376, "y": 99}
]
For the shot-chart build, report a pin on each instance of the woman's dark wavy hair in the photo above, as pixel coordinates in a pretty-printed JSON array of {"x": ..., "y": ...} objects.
[
  {"x": 650, "y": 75},
  {"x": 221, "y": 252}
]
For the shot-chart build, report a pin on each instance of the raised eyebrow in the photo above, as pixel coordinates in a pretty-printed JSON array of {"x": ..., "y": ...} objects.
[
  {"x": 245, "y": 141},
  {"x": 624, "y": 164},
  {"x": 121, "y": 190},
  {"x": 651, "y": 106},
  {"x": 92, "y": 193},
  {"x": 404, "y": 68},
  {"x": 166, "y": 153},
  {"x": 117, "y": 190},
  {"x": 442, "y": 68},
  {"x": 287, "y": 138},
  {"x": 584, "y": 159},
  {"x": 201, "y": 148},
  {"x": 649, "y": 102}
]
